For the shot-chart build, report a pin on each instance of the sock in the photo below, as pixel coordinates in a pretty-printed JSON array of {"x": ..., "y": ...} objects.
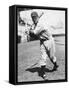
[
  {"x": 55, "y": 63},
  {"x": 43, "y": 69}
]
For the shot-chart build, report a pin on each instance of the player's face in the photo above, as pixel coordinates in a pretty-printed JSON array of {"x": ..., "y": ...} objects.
[{"x": 35, "y": 19}]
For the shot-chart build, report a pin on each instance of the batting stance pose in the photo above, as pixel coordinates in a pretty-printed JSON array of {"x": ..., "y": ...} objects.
[{"x": 47, "y": 45}]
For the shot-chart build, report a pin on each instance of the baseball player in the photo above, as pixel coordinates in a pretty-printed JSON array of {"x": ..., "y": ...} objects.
[{"x": 47, "y": 45}]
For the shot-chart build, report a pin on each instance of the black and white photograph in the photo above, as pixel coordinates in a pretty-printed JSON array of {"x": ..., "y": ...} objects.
[
  {"x": 41, "y": 45},
  {"x": 34, "y": 44}
]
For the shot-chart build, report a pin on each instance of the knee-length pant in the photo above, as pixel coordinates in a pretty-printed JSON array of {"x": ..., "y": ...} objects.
[{"x": 47, "y": 48}]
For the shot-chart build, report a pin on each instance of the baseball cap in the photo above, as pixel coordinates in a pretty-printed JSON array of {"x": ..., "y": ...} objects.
[{"x": 34, "y": 14}]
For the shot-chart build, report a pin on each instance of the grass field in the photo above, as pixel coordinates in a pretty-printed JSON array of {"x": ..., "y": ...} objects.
[{"x": 29, "y": 54}]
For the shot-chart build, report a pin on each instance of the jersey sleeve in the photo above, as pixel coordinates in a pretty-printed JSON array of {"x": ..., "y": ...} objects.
[
  {"x": 38, "y": 29},
  {"x": 41, "y": 26}
]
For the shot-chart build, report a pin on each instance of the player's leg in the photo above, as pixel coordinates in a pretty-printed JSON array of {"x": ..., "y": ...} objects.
[
  {"x": 53, "y": 60},
  {"x": 43, "y": 60},
  {"x": 52, "y": 54}
]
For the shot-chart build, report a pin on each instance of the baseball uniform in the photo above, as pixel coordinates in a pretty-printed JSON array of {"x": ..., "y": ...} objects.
[{"x": 47, "y": 45}]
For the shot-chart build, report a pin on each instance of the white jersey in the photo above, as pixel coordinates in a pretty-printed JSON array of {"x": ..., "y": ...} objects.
[{"x": 42, "y": 29}]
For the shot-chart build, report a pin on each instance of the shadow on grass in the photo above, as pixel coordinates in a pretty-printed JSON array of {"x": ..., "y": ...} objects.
[{"x": 38, "y": 70}]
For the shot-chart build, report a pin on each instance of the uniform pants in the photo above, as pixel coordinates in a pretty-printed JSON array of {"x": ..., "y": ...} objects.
[{"x": 47, "y": 48}]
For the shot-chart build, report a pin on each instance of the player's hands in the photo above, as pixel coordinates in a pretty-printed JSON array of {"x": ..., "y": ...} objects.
[{"x": 31, "y": 31}]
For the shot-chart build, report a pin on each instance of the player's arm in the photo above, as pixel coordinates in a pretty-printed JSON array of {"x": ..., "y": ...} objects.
[
  {"x": 31, "y": 31},
  {"x": 37, "y": 30}
]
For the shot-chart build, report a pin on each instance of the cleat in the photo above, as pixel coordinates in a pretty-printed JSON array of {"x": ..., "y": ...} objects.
[
  {"x": 42, "y": 72},
  {"x": 44, "y": 76}
]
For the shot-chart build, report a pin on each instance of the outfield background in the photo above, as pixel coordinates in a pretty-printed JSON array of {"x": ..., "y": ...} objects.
[
  {"x": 53, "y": 19},
  {"x": 29, "y": 54}
]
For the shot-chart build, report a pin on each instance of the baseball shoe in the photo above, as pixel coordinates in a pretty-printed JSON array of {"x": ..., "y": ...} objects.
[
  {"x": 43, "y": 72},
  {"x": 44, "y": 76}
]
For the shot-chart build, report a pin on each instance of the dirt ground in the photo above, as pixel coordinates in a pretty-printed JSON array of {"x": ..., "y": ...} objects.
[{"x": 29, "y": 56}]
